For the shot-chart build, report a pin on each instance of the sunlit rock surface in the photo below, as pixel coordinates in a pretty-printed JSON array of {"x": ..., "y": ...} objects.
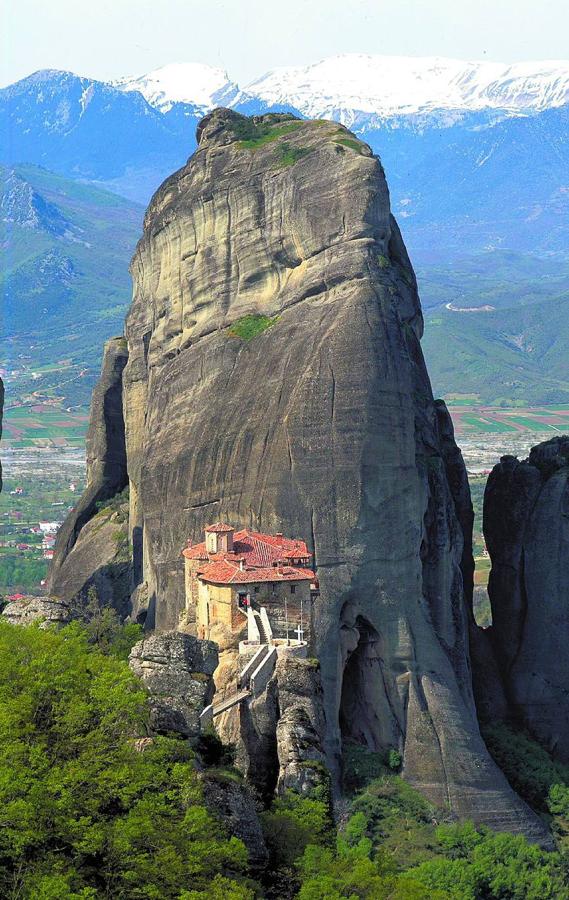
[{"x": 321, "y": 425}]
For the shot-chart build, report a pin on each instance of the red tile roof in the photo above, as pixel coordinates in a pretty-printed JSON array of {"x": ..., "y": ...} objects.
[
  {"x": 260, "y": 553},
  {"x": 224, "y": 571},
  {"x": 219, "y": 528},
  {"x": 255, "y": 548}
]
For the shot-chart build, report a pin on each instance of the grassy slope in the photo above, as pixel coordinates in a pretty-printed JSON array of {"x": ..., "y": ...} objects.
[{"x": 514, "y": 352}]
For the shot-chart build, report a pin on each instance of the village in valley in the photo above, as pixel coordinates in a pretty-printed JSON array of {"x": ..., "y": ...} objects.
[{"x": 40, "y": 487}]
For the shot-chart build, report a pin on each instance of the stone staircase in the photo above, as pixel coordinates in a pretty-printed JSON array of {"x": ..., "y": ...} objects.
[
  {"x": 263, "y": 637},
  {"x": 252, "y": 681}
]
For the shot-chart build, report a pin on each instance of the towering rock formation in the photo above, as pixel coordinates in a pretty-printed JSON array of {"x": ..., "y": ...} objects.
[
  {"x": 88, "y": 550},
  {"x": 526, "y": 525},
  {"x": 275, "y": 380}
]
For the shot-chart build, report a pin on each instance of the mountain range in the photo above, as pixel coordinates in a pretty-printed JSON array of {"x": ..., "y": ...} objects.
[
  {"x": 64, "y": 280},
  {"x": 476, "y": 155}
]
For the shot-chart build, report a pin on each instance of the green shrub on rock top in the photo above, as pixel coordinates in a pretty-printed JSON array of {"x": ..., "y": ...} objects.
[
  {"x": 351, "y": 143},
  {"x": 253, "y": 135},
  {"x": 288, "y": 156}
]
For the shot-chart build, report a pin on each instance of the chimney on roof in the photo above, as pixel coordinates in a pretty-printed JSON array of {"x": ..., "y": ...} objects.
[
  {"x": 241, "y": 565},
  {"x": 189, "y": 544},
  {"x": 219, "y": 538},
  {"x": 279, "y": 535}
]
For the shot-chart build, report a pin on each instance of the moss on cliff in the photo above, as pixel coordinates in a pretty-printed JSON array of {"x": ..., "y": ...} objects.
[
  {"x": 248, "y": 327},
  {"x": 288, "y": 156},
  {"x": 254, "y": 134}
]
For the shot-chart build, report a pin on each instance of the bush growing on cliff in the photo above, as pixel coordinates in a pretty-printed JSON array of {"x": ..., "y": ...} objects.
[
  {"x": 83, "y": 812},
  {"x": 540, "y": 780},
  {"x": 248, "y": 327},
  {"x": 103, "y": 629},
  {"x": 478, "y": 864},
  {"x": 288, "y": 155},
  {"x": 293, "y": 822}
]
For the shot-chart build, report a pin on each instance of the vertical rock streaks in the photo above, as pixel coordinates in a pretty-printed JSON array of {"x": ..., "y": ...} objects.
[{"x": 323, "y": 425}]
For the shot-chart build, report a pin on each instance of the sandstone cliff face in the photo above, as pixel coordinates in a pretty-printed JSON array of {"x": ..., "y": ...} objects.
[
  {"x": 322, "y": 426},
  {"x": 279, "y": 734},
  {"x": 526, "y": 525},
  {"x": 88, "y": 552},
  {"x": 177, "y": 670},
  {"x": 37, "y": 609},
  {"x": 301, "y": 726}
]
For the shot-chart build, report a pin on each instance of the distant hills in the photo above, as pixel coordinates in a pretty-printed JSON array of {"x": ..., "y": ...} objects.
[
  {"x": 477, "y": 160},
  {"x": 64, "y": 280},
  {"x": 510, "y": 346},
  {"x": 91, "y": 131}
]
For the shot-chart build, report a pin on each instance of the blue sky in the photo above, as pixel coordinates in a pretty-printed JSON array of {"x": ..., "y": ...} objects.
[{"x": 109, "y": 38}]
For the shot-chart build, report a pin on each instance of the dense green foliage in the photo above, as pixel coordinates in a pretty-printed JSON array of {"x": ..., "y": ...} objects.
[
  {"x": 89, "y": 811},
  {"x": 477, "y": 864},
  {"x": 393, "y": 844},
  {"x": 294, "y": 822},
  {"x": 248, "y": 327},
  {"x": 530, "y": 770},
  {"x": 83, "y": 812}
]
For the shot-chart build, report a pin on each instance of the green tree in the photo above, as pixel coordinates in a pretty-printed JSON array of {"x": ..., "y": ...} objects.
[
  {"x": 84, "y": 813},
  {"x": 478, "y": 864},
  {"x": 103, "y": 627},
  {"x": 353, "y": 871}
]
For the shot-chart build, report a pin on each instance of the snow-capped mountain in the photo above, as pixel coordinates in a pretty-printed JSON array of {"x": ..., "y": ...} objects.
[
  {"x": 90, "y": 130},
  {"x": 195, "y": 84},
  {"x": 347, "y": 86},
  {"x": 364, "y": 91},
  {"x": 477, "y": 150}
]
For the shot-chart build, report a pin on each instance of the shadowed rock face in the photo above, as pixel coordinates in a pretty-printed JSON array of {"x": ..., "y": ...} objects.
[
  {"x": 86, "y": 553},
  {"x": 526, "y": 525},
  {"x": 322, "y": 426}
]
